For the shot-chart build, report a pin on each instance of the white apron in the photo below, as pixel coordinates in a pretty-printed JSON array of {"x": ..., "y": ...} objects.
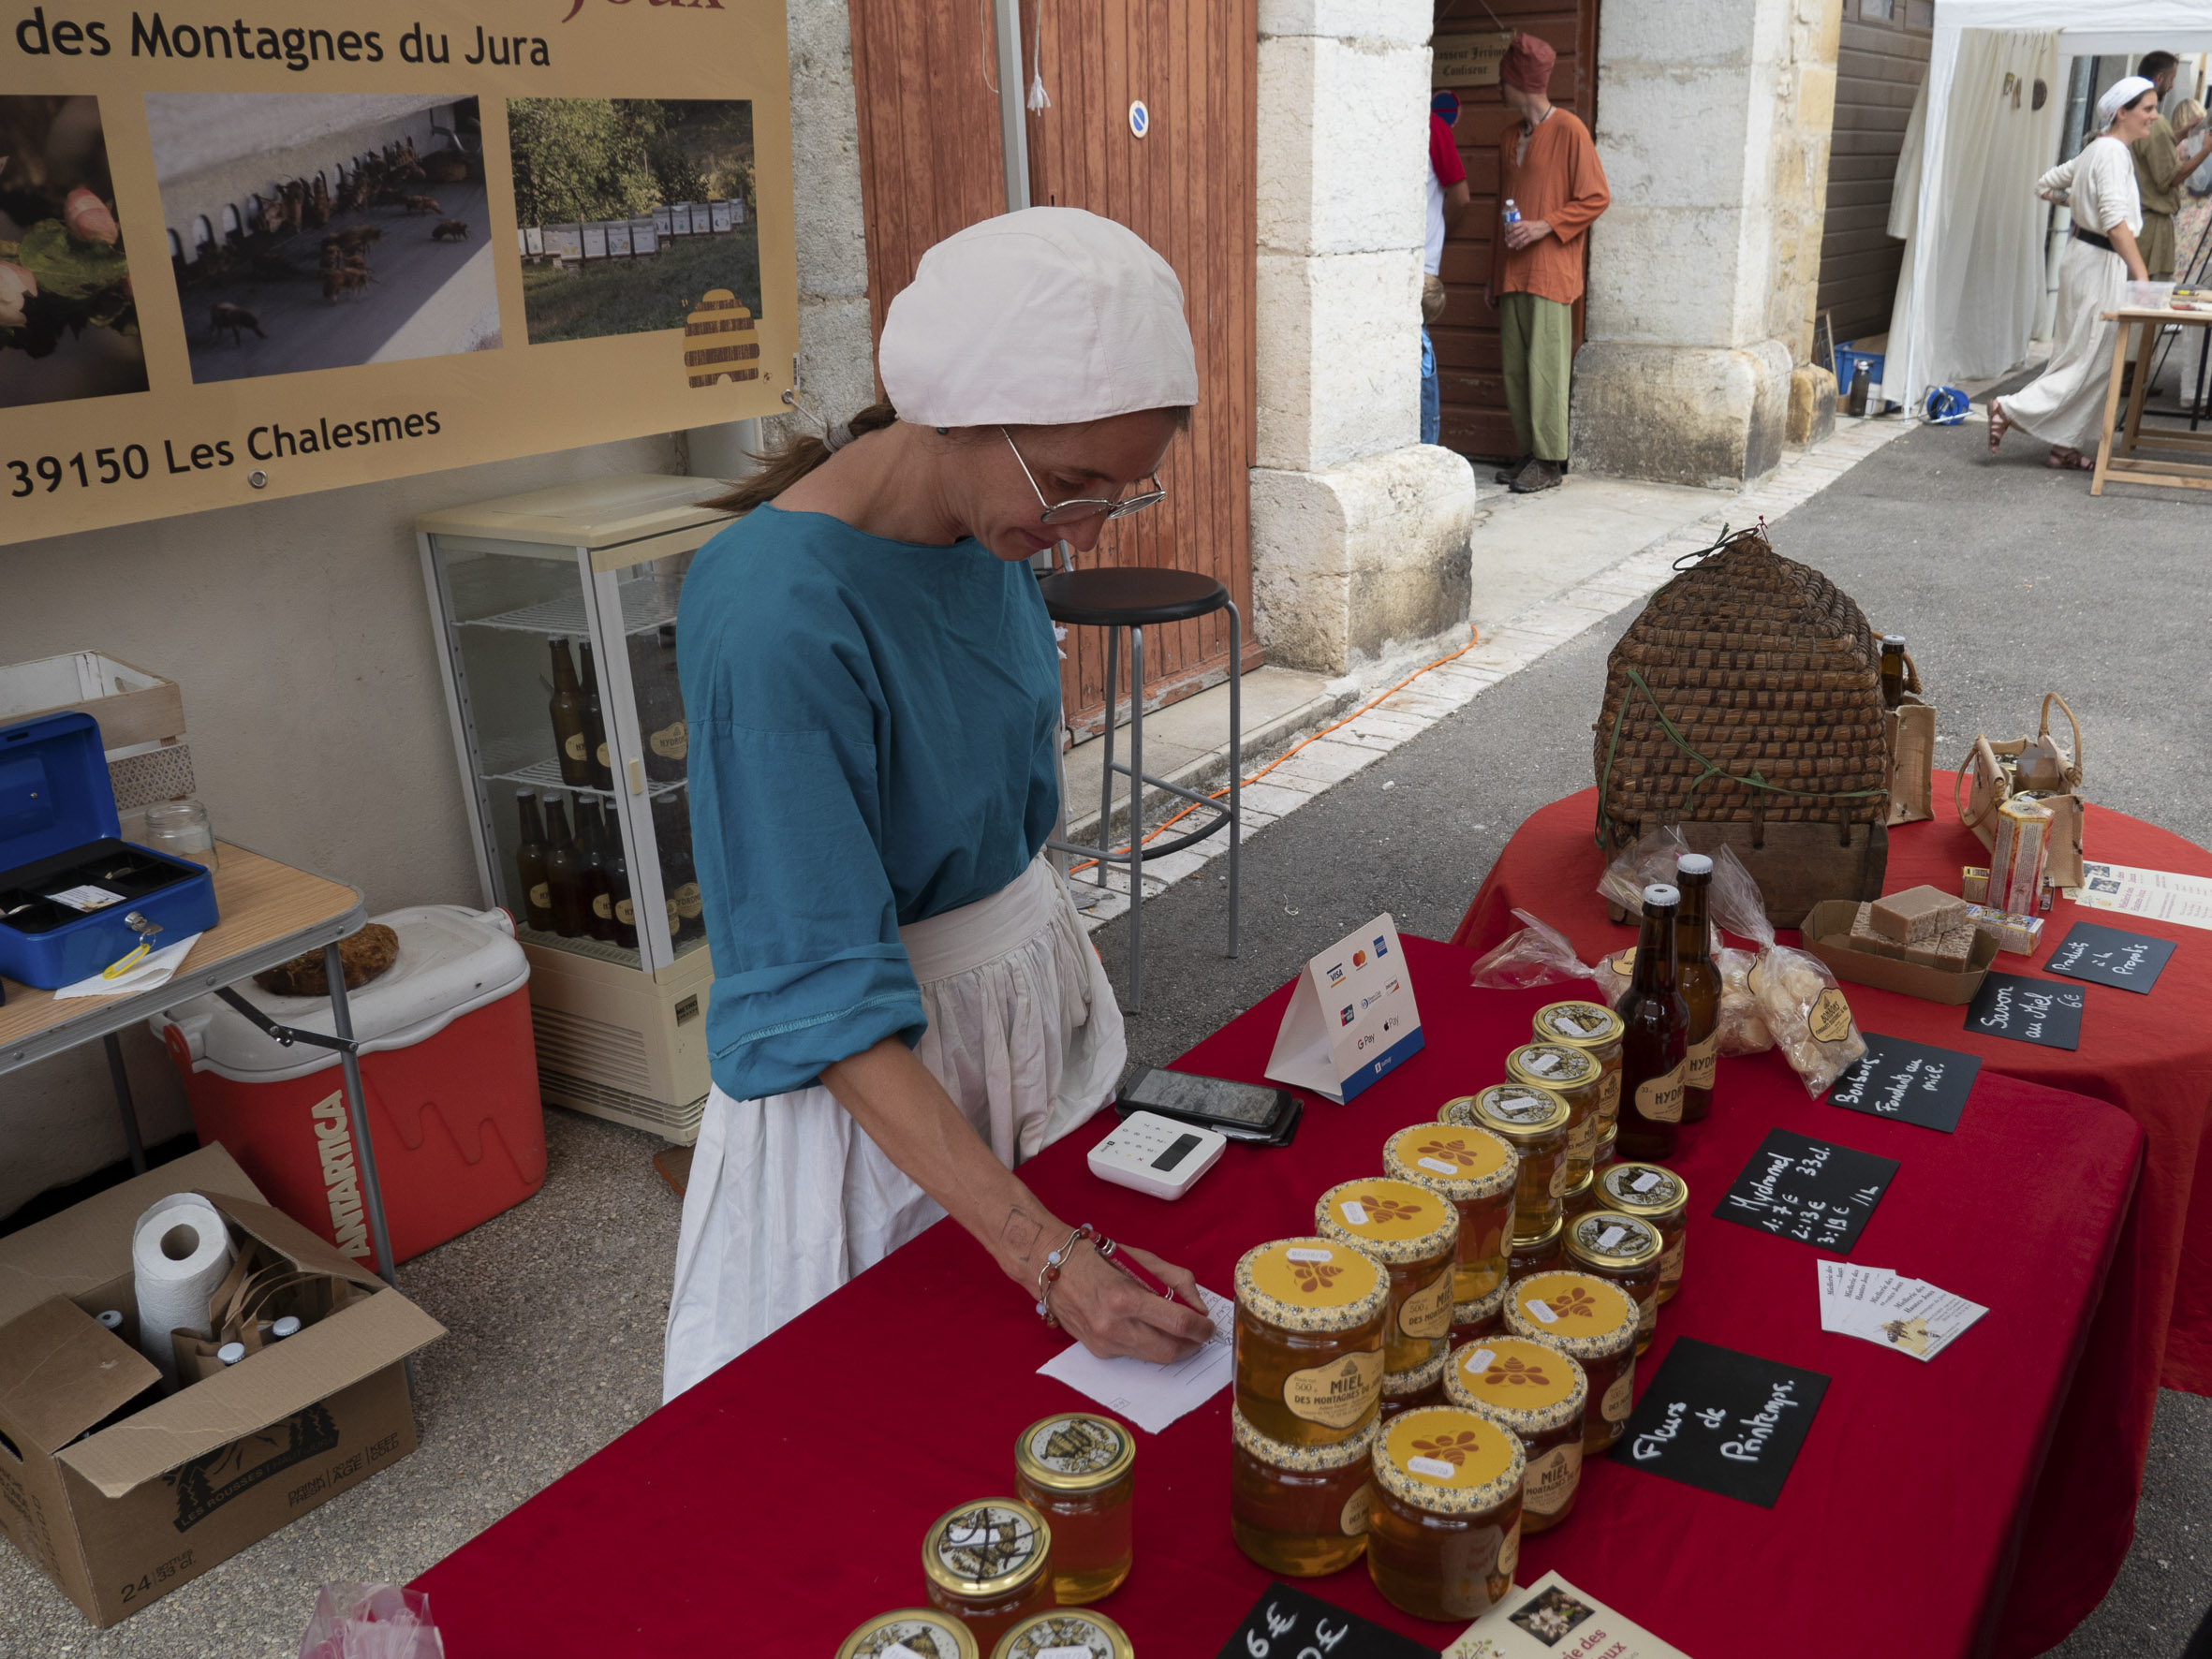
[
  {"x": 788, "y": 1197},
  {"x": 2065, "y": 404}
]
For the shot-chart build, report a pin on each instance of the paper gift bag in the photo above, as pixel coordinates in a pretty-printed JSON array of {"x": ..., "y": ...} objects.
[
  {"x": 1912, "y": 761},
  {"x": 1995, "y": 770}
]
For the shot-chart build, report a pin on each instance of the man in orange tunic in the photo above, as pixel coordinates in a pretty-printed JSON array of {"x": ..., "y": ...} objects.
[{"x": 1548, "y": 166}]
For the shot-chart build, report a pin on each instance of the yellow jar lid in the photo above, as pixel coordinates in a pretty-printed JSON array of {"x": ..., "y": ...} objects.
[
  {"x": 921, "y": 1631},
  {"x": 1606, "y": 1239},
  {"x": 1075, "y": 1452},
  {"x": 1310, "y": 1285},
  {"x": 1303, "y": 1459},
  {"x": 1579, "y": 1025},
  {"x": 1529, "y": 1384},
  {"x": 1643, "y": 1189},
  {"x": 1589, "y": 1317},
  {"x": 1448, "y": 1460},
  {"x": 992, "y": 1547},
  {"x": 1392, "y": 1221},
  {"x": 1461, "y": 1162},
  {"x": 1066, "y": 1633},
  {"x": 1553, "y": 1065}
]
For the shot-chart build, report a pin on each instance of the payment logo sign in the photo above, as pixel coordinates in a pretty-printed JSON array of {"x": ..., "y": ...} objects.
[
  {"x": 1381, "y": 948},
  {"x": 1336, "y": 974},
  {"x": 1345, "y": 1019}
]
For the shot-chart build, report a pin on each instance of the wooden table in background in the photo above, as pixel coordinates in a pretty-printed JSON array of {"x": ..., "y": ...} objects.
[{"x": 2149, "y": 322}]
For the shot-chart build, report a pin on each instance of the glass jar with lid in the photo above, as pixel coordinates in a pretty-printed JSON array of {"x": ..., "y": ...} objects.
[
  {"x": 989, "y": 1564},
  {"x": 1299, "y": 1510},
  {"x": 1536, "y": 1389},
  {"x": 1310, "y": 1320},
  {"x": 1078, "y": 1470},
  {"x": 1067, "y": 1634},
  {"x": 1595, "y": 1029},
  {"x": 1538, "y": 1254},
  {"x": 1577, "y": 1078},
  {"x": 1475, "y": 1171},
  {"x": 1404, "y": 1391},
  {"x": 1533, "y": 1122},
  {"x": 1660, "y": 1196},
  {"x": 1593, "y": 1321},
  {"x": 922, "y": 1632},
  {"x": 1445, "y": 1535},
  {"x": 1582, "y": 1196},
  {"x": 1625, "y": 1250},
  {"x": 1414, "y": 1234},
  {"x": 1478, "y": 1317}
]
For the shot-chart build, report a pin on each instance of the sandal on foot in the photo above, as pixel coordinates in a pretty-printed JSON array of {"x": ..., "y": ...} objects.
[
  {"x": 2070, "y": 461},
  {"x": 1999, "y": 425}
]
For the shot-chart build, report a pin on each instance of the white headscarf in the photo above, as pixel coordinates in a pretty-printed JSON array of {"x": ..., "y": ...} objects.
[
  {"x": 1043, "y": 317},
  {"x": 2118, "y": 96}
]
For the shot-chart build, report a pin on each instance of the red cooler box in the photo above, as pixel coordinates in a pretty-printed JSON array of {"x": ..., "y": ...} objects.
[{"x": 448, "y": 1068}]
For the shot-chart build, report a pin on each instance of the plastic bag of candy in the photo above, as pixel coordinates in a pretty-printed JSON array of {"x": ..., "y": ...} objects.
[
  {"x": 1795, "y": 995},
  {"x": 1538, "y": 954}
]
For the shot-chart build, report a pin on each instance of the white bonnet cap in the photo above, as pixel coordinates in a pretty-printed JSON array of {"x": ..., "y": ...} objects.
[
  {"x": 1043, "y": 317},
  {"x": 2120, "y": 93}
]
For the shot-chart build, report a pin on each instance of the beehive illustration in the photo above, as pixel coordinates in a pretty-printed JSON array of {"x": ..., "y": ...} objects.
[{"x": 708, "y": 356}]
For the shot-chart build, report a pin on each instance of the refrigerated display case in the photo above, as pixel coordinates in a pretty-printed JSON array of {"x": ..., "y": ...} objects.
[{"x": 557, "y": 613}]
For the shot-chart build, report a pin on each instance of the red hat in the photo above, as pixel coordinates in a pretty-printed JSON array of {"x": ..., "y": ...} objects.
[{"x": 1527, "y": 63}]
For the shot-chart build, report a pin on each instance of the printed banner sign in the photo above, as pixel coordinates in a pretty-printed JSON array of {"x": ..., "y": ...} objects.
[
  {"x": 274, "y": 251},
  {"x": 1351, "y": 1018}
]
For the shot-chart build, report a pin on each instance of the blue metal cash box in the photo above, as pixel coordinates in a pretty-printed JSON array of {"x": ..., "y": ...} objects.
[{"x": 67, "y": 880}]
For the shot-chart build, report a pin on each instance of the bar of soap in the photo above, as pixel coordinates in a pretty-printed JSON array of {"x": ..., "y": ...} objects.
[
  {"x": 1955, "y": 951},
  {"x": 1973, "y": 885},
  {"x": 1916, "y": 916},
  {"x": 2018, "y": 934},
  {"x": 1864, "y": 939}
]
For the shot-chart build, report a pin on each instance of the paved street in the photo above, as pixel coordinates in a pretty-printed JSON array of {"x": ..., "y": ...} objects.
[{"x": 2008, "y": 580}]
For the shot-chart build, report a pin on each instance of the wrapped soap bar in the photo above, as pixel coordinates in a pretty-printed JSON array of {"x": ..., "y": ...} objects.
[
  {"x": 1973, "y": 885},
  {"x": 2018, "y": 934},
  {"x": 2016, "y": 861}
]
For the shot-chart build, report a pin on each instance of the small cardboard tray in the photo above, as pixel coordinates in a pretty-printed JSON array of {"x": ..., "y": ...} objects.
[{"x": 1826, "y": 933}]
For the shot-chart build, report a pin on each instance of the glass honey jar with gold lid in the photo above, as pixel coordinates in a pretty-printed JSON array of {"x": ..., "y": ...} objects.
[
  {"x": 1445, "y": 1535},
  {"x": 1533, "y": 1387},
  {"x": 1595, "y": 1029},
  {"x": 1404, "y": 1391},
  {"x": 1660, "y": 1196},
  {"x": 1310, "y": 1320},
  {"x": 1478, "y": 1317},
  {"x": 1414, "y": 1233},
  {"x": 1534, "y": 1122},
  {"x": 1299, "y": 1510},
  {"x": 924, "y": 1631},
  {"x": 1582, "y": 1196},
  {"x": 1577, "y": 1078},
  {"x": 1625, "y": 1250},
  {"x": 989, "y": 1564},
  {"x": 1476, "y": 1172},
  {"x": 1068, "y": 1634},
  {"x": 1078, "y": 1470},
  {"x": 1593, "y": 1321},
  {"x": 1538, "y": 1254}
]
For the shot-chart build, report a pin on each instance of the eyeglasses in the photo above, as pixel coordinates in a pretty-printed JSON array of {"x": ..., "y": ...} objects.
[{"x": 1085, "y": 506}]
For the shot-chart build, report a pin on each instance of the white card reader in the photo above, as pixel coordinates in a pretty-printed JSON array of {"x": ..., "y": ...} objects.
[{"x": 1155, "y": 1155}]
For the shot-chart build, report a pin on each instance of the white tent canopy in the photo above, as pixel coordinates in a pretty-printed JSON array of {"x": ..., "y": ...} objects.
[{"x": 1974, "y": 265}]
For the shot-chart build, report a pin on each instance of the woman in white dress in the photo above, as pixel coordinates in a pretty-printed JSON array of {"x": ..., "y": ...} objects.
[{"x": 2065, "y": 406}]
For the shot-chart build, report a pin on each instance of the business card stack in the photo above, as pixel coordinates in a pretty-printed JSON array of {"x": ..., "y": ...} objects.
[{"x": 1908, "y": 1315}]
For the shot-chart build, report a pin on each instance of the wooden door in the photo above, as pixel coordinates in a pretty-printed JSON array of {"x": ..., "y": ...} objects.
[
  {"x": 1883, "y": 59},
  {"x": 924, "y": 71},
  {"x": 1466, "y": 340}
]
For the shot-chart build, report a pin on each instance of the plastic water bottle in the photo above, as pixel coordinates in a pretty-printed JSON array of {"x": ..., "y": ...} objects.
[{"x": 1512, "y": 214}]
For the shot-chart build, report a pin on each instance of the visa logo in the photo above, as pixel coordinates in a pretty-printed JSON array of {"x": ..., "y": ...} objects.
[{"x": 1336, "y": 973}]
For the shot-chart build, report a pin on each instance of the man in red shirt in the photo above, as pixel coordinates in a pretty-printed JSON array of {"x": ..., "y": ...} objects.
[
  {"x": 1549, "y": 169},
  {"x": 1446, "y": 206}
]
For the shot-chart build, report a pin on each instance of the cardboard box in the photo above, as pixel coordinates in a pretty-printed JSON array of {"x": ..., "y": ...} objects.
[
  {"x": 1826, "y": 933},
  {"x": 120, "y": 1517}
]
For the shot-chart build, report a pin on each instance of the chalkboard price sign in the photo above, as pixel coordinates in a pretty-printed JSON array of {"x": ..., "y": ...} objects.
[
  {"x": 1908, "y": 1082},
  {"x": 2111, "y": 956},
  {"x": 2028, "y": 1010},
  {"x": 1728, "y": 1423},
  {"x": 1812, "y": 1191},
  {"x": 1286, "y": 1624}
]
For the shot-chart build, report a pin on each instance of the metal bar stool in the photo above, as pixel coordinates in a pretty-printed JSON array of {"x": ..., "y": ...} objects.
[{"x": 1137, "y": 597}]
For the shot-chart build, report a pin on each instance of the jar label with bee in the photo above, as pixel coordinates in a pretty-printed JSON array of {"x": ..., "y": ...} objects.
[
  {"x": 1338, "y": 1395},
  {"x": 1703, "y": 1060},
  {"x": 1608, "y": 1093},
  {"x": 1352, "y": 1520},
  {"x": 1427, "y": 1312},
  {"x": 1621, "y": 1397},
  {"x": 1551, "y": 1477},
  {"x": 1659, "y": 1100}
]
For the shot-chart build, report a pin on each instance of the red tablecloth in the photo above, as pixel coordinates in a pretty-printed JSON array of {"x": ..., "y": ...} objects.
[{"x": 781, "y": 1501}]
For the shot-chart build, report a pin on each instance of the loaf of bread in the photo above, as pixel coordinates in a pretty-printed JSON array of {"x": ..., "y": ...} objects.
[{"x": 361, "y": 957}]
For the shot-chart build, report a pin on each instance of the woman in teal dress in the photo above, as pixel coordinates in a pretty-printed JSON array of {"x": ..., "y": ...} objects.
[{"x": 904, "y": 1005}]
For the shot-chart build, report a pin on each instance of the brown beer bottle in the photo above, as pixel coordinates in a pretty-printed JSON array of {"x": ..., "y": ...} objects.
[
  {"x": 567, "y": 710},
  {"x": 530, "y": 865},
  {"x": 591, "y": 836},
  {"x": 1698, "y": 978},
  {"x": 1893, "y": 670},
  {"x": 564, "y": 875},
  {"x": 1655, "y": 1043},
  {"x": 594, "y": 726},
  {"x": 616, "y": 864}
]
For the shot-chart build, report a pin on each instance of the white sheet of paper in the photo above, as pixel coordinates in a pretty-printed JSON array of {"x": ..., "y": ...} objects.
[
  {"x": 1910, "y": 1316},
  {"x": 2162, "y": 895},
  {"x": 1152, "y": 1396},
  {"x": 152, "y": 969}
]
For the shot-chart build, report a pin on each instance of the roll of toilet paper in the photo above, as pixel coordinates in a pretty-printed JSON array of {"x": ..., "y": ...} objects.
[{"x": 179, "y": 1253}]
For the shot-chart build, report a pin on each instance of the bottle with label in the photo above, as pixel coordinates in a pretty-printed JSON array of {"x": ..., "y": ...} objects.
[
  {"x": 570, "y": 898},
  {"x": 1698, "y": 976},
  {"x": 1893, "y": 670},
  {"x": 530, "y": 864},
  {"x": 1655, "y": 1034},
  {"x": 594, "y": 726},
  {"x": 660, "y": 703},
  {"x": 616, "y": 864},
  {"x": 591, "y": 837},
  {"x": 1512, "y": 212},
  {"x": 679, "y": 879},
  {"x": 567, "y": 710}
]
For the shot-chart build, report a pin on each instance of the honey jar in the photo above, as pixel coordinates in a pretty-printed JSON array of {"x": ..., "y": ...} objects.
[
  {"x": 1582, "y": 1196},
  {"x": 1065, "y": 1636},
  {"x": 989, "y": 1565},
  {"x": 1474, "y": 1170},
  {"x": 1538, "y": 1254},
  {"x": 1593, "y": 1321},
  {"x": 1625, "y": 1250},
  {"x": 1310, "y": 1317},
  {"x": 1477, "y": 1318},
  {"x": 1577, "y": 1078},
  {"x": 1299, "y": 1510},
  {"x": 1596, "y": 1030},
  {"x": 1534, "y": 1122},
  {"x": 1660, "y": 1196},
  {"x": 924, "y": 1631},
  {"x": 1534, "y": 1388},
  {"x": 1077, "y": 1470},
  {"x": 1414, "y": 1234},
  {"x": 1403, "y": 1391},
  {"x": 1445, "y": 1535}
]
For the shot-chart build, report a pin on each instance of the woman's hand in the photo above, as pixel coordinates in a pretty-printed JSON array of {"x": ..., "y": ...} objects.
[{"x": 1112, "y": 1315}]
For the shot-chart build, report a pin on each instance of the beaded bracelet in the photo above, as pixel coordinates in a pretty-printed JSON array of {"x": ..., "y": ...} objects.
[{"x": 1048, "y": 1275}]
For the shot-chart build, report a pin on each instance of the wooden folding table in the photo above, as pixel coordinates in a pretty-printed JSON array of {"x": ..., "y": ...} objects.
[{"x": 2148, "y": 322}]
